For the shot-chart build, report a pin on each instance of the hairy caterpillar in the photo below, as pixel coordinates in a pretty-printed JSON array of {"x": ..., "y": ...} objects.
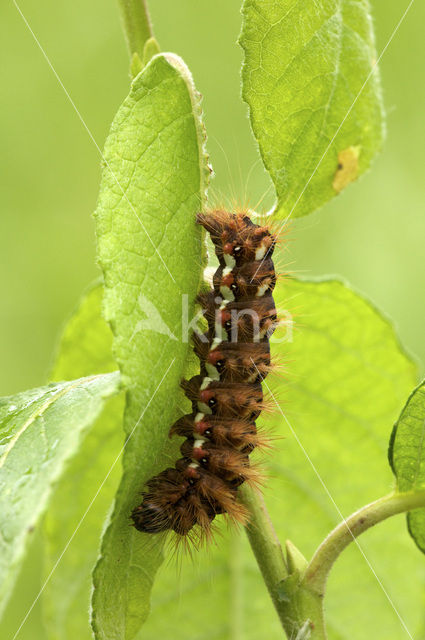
[{"x": 226, "y": 396}]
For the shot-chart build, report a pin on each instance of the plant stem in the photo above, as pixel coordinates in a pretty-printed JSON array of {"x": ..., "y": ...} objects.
[
  {"x": 137, "y": 25},
  {"x": 298, "y": 594},
  {"x": 318, "y": 570},
  {"x": 265, "y": 545},
  {"x": 299, "y": 610}
]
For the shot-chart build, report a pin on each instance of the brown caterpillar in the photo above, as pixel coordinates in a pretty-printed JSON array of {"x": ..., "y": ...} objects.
[{"x": 226, "y": 396}]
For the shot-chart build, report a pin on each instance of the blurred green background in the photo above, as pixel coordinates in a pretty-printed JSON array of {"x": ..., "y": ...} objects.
[{"x": 373, "y": 235}]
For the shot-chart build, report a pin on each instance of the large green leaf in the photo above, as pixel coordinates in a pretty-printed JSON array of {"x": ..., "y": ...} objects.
[
  {"x": 347, "y": 379},
  {"x": 150, "y": 251},
  {"x": 342, "y": 385},
  {"x": 76, "y": 514},
  {"x": 407, "y": 457},
  {"x": 317, "y": 123},
  {"x": 40, "y": 430}
]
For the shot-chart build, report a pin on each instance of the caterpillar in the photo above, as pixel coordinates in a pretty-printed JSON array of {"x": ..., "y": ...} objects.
[{"x": 227, "y": 398}]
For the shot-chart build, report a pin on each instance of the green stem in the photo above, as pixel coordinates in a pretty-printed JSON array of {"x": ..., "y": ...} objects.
[
  {"x": 137, "y": 25},
  {"x": 265, "y": 545},
  {"x": 318, "y": 570},
  {"x": 297, "y": 589}
]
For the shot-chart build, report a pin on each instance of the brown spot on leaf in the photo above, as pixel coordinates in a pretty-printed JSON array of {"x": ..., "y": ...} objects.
[{"x": 347, "y": 169}]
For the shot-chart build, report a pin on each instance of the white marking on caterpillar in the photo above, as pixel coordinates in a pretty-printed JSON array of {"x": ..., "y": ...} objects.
[
  {"x": 198, "y": 417},
  {"x": 212, "y": 371},
  {"x": 215, "y": 343},
  {"x": 260, "y": 252},
  {"x": 205, "y": 383},
  {"x": 194, "y": 465},
  {"x": 198, "y": 443},
  {"x": 229, "y": 260},
  {"x": 204, "y": 408},
  {"x": 262, "y": 290},
  {"x": 209, "y": 274},
  {"x": 227, "y": 293}
]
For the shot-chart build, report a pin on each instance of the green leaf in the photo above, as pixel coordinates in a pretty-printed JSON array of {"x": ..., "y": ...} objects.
[
  {"x": 317, "y": 123},
  {"x": 150, "y": 251},
  {"x": 76, "y": 514},
  {"x": 343, "y": 380},
  {"x": 40, "y": 430},
  {"x": 407, "y": 457},
  {"x": 347, "y": 377},
  {"x": 85, "y": 346}
]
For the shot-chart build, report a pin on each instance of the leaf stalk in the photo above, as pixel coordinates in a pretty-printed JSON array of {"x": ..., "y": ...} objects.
[
  {"x": 348, "y": 530},
  {"x": 297, "y": 589},
  {"x": 137, "y": 25}
]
